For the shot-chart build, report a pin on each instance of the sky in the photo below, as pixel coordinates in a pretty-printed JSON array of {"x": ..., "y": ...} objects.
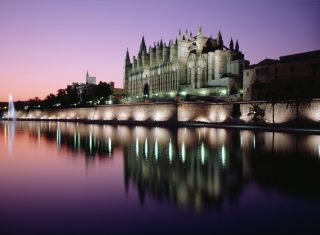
[{"x": 46, "y": 45}]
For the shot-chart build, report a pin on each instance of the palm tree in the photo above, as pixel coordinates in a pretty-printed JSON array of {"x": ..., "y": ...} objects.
[{"x": 257, "y": 112}]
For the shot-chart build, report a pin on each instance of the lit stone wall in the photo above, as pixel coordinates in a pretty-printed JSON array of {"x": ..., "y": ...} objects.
[
  {"x": 203, "y": 112},
  {"x": 183, "y": 112},
  {"x": 140, "y": 112}
]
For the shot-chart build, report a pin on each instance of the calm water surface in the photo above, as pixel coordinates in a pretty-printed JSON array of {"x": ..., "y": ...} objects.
[{"x": 77, "y": 178}]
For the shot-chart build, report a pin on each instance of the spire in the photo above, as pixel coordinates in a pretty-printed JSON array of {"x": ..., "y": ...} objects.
[
  {"x": 186, "y": 34},
  {"x": 231, "y": 44},
  {"x": 220, "y": 41},
  {"x": 127, "y": 57},
  {"x": 161, "y": 43},
  {"x": 237, "y": 46},
  {"x": 143, "y": 48},
  {"x": 179, "y": 35},
  {"x": 199, "y": 31}
]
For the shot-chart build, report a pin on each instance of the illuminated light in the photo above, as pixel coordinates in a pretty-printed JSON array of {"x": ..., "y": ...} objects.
[
  {"x": 137, "y": 147},
  {"x": 241, "y": 141},
  {"x": 140, "y": 116},
  {"x": 170, "y": 151},
  {"x": 202, "y": 153},
  {"x": 223, "y": 155},
  {"x": 223, "y": 91},
  {"x": 156, "y": 149},
  {"x": 146, "y": 147},
  {"x": 204, "y": 92},
  {"x": 183, "y": 93},
  {"x": 109, "y": 145},
  {"x": 201, "y": 119},
  {"x": 183, "y": 152}
]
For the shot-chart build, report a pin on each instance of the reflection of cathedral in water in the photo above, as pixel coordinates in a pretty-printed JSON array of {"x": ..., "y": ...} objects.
[
  {"x": 189, "y": 173},
  {"x": 194, "y": 167}
]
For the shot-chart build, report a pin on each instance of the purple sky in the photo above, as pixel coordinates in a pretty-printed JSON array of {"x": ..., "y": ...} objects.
[{"x": 46, "y": 45}]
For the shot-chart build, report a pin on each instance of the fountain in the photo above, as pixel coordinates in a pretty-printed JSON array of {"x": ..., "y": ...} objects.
[{"x": 11, "y": 109}]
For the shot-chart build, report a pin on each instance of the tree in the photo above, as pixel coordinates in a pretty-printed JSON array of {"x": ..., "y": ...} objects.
[
  {"x": 298, "y": 93},
  {"x": 257, "y": 112},
  {"x": 274, "y": 95},
  {"x": 233, "y": 90},
  {"x": 102, "y": 91},
  {"x": 236, "y": 113},
  {"x": 49, "y": 101}
]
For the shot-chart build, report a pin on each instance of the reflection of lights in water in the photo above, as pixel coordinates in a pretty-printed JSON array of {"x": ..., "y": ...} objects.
[
  {"x": 183, "y": 152},
  {"x": 58, "y": 136},
  {"x": 9, "y": 135},
  {"x": 5, "y": 134},
  {"x": 223, "y": 155},
  {"x": 38, "y": 134},
  {"x": 75, "y": 139},
  {"x": 146, "y": 147},
  {"x": 254, "y": 141},
  {"x": 109, "y": 145},
  {"x": 202, "y": 153},
  {"x": 137, "y": 147},
  {"x": 241, "y": 141},
  {"x": 90, "y": 141},
  {"x": 156, "y": 149},
  {"x": 319, "y": 151},
  {"x": 170, "y": 150},
  {"x": 79, "y": 140}
]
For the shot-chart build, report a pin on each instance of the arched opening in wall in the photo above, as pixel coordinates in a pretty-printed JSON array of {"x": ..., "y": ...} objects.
[{"x": 146, "y": 90}]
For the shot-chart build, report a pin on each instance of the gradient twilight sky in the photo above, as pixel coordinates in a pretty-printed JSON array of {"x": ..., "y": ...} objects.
[{"x": 46, "y": 45}]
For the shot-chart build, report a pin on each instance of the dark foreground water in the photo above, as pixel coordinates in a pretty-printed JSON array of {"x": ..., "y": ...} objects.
[{"x": 77, "y": 178}]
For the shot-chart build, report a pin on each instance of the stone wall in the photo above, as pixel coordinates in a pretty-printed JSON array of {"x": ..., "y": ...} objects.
[
  {"x": 172, "y": 112},
  {"x": 139, "y": 112}
]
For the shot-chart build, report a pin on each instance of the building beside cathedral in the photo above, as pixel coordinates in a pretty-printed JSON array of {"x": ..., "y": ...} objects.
[
  {"x": 194, "y": 65},
  {"x": 258, "y": 77}
]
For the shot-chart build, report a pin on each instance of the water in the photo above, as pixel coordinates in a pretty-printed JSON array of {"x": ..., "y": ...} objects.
[
  {"x": 11, "y": 109},
  {"x": 77, "y": 178}
]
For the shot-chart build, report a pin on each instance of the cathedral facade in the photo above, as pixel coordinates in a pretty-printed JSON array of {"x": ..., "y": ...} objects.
[{"x": 195, "y": 65}]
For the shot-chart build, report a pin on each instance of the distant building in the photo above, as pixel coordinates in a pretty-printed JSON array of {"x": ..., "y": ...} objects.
[
  {"x": 195, "y": 65},
  {"x": 90, "y": 80},
  {"x": 297, "y": 66},
  {"x": 83, "y": 88},
  {"x": 117, "y": 93}
]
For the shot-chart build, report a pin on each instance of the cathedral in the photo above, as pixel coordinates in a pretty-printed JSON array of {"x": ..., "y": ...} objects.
[{"x": 195, "y": 65}]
